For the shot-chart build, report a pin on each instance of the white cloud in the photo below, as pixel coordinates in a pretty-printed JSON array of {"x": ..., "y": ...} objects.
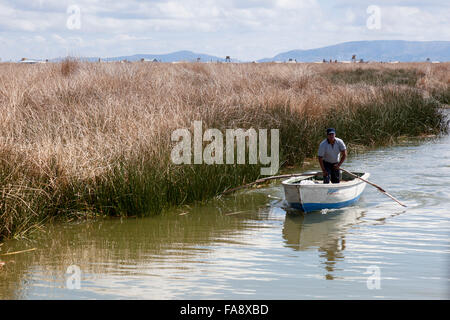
[
  {"x": 174, "y": 9},
  {"x": 350, "y": 16},
  {"x": 245, "y": 29},
  {"x": 413, "y": 22},
  {"x": 39, "y": 38},
  {"x": 296, "y": 4}
]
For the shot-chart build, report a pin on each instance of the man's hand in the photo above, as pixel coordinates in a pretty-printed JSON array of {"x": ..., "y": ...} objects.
[
  {"x": 336, "y": 166},
  {"x": 325, "y": 173}
]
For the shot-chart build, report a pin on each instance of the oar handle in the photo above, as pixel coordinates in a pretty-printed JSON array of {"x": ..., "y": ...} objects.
[
  {"x": 373, "y": 184},
  {"x": 312, "y": 173}
]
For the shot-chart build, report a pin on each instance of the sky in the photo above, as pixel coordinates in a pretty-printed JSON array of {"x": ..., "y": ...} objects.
[{"x": 242, "y": 29}]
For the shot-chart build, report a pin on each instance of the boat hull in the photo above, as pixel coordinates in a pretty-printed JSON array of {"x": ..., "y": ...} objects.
[{"x": 312, "y": 197}]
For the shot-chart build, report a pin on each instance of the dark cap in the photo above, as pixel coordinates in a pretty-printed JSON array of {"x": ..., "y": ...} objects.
[{"x": 331, "y": 130}]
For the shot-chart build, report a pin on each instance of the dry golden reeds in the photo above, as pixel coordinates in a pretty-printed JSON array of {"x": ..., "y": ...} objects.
[{"x": 81, "y": 137}]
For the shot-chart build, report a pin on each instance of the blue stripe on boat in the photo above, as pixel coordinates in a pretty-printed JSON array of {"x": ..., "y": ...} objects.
[{"x": 308, "y": 207}]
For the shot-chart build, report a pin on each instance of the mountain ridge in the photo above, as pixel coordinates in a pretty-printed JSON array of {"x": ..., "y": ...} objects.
[{"x": 370, "y": 50}]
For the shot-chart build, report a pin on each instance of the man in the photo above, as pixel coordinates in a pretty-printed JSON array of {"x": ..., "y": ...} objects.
[{"x": 332, "y": 153}]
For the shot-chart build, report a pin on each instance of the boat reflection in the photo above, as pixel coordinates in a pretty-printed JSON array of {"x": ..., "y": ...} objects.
[{"x": 324, "y": 231}]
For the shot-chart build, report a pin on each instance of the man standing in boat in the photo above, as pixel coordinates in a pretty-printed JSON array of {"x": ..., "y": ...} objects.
[{"x": 332, "y": 153}]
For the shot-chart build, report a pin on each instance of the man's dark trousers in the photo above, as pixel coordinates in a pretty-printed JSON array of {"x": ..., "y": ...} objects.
[{"x": 334, "y": 174}]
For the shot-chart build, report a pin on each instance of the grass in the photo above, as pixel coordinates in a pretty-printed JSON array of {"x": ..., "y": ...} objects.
[
  {"x": 376, "y": 77},
  {"x": 442, "y": 95},
  {"x": 87, "y": 139}
]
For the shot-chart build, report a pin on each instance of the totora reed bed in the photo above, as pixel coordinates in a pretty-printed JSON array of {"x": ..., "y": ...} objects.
[{"x": 93, "y": 139}]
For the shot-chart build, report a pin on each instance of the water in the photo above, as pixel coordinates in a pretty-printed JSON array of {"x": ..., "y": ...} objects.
[{"x": 246, "y": 246}]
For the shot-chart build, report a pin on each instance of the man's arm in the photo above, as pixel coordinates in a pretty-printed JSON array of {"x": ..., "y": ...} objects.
[
  {"x": 343, "y": 156},
  {"x": 325, "y": 173}
]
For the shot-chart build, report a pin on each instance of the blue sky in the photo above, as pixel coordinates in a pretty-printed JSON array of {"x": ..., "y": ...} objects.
[{"x": 242, "y": 29}]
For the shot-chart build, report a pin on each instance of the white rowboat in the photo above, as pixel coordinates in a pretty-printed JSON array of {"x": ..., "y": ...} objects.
[{"x": 309, "y": 193}]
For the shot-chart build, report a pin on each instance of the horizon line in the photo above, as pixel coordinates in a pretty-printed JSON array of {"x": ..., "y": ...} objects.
[{"x": 215, "y": 56}]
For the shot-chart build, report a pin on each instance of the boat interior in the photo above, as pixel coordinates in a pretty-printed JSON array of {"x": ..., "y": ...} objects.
[{"x": 318, "y": 178}]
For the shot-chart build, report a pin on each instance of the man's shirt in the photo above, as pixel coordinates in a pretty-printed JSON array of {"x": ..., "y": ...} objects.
[{"x": 331, "y": 152}]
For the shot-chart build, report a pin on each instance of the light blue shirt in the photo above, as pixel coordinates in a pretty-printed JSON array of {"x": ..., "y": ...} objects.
[{"x": 331, "y": 152}]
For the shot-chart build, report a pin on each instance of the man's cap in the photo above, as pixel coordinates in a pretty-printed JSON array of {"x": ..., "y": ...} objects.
[{"x": 331, "y": 130}]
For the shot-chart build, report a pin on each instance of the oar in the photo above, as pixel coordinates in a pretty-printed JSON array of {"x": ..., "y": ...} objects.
[
  {"x": 376, "y": 186},
  {"x": 310, "y": 173},
  {"x": 16, "y": 252}
]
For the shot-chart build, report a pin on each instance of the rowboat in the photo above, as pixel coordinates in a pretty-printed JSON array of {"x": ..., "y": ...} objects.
[{"x": 309, "y": 193}]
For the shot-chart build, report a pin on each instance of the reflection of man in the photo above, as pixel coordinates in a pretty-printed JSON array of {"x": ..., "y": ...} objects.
[{"x": 332, "y": 153}]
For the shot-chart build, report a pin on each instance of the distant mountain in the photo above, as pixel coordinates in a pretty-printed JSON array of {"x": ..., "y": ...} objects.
[
  {"x": 188, "y": 56},
  {"x": 377, "y": 50},
  {"x": 171, "y": 57}
]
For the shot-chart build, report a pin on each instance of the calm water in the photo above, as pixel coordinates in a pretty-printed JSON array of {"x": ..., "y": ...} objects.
[{"x": 247, "y": 246}]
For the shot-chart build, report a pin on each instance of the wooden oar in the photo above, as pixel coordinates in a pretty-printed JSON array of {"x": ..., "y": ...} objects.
[
  {"x": 311, "y": 173},
  {"x": 16, "y": 252},
  {"x": 376, "y": 186}
]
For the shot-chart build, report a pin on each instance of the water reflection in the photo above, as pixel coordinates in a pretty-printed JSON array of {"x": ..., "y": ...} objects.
[
  {"x": 165, "y": 247},
  {"x": 321, "y": 230}
]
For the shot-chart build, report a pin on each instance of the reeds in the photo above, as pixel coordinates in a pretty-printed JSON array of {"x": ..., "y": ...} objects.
[
  {"x": 81, "y": 139},
  {"x": 69, "y": 66}
]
